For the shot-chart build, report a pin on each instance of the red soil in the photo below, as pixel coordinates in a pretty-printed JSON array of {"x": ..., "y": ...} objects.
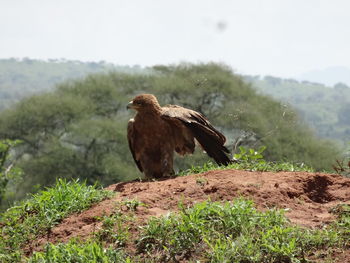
[{"x": 307, "y": 198}]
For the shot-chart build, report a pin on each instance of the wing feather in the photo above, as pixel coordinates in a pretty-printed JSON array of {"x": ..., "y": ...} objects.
[
  {"x": 211, "y": 140},
  {"x": 132, "y": 141}
]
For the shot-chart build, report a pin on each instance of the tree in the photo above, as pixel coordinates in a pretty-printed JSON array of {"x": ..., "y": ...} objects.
[
  {"x": 7, "y": 170},
  {"x": 341, "y": 86},
  {"x": 344, "y": 114}
]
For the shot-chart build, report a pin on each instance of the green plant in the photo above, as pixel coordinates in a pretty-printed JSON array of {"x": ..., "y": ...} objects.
[
  {"x": 250, "y": 155},
  {"x": 114, "y": 229},
  {"x": 131, "y": 204},
  {"x": 342, "y": 167},
  {"x": 201, "y": 181},
  {"x": 342, "y": 224},
  {"x": 7, "y": 170},
  {"x": 251, "y": 160},
  {"x": 79, "y": 252},
  {"x": 232, "y": 232},
  {"x": 36, "y": 216}
]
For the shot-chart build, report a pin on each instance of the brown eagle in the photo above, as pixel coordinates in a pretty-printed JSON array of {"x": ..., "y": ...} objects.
[{"x": 156, "y": 132}]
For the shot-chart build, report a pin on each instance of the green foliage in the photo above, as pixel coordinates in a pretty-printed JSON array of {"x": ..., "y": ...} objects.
[
  {"x": 132, "y": 204},
  {"x": 252, "y": 160},
  {"x": 8, "y": 173},
  {"x": 250, "y": 155},
  {"x": 231, "y": 232},
  {"x": 325, "y": 109},
  {"x": 343, "y": 114},
  {"x": 263, "y": 166},
  {"x": 79, "y": 252},
  {"x": 114, "y": 229},
  {"x": 342, "y": 167},
  {"x": 36, "y": 216},
  {"x": 342, "y": 225}
]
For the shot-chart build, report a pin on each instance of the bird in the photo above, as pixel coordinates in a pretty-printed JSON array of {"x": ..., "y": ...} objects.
[{"x": 155, "y": 133}]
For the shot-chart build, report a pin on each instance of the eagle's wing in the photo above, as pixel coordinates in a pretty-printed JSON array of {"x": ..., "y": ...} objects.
[
  {"x": 193, "y": 124},
  {"x": 132, "y": 137}
]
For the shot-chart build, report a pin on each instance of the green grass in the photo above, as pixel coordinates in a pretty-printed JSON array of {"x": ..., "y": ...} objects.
[
  {"x": 251, "y": 160},
  {"x": 234, "y": 232},
  {"x": 79, "y": 252},
  {"x": 38, "y": 215},
  {"x": 114, "y": 229},
  {"x": 261, "y": 166}
]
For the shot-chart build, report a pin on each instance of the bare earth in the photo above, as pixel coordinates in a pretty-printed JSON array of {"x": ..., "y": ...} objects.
[{"x": 307, "y": 198}]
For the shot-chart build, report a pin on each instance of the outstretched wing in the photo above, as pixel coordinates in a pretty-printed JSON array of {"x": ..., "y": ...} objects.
[
  {"x": 132, "y": 137},
  {"x": 194, "y": 124}
]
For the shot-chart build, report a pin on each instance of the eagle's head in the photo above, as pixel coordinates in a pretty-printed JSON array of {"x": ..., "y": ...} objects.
[{"x": 144, "y": 102}]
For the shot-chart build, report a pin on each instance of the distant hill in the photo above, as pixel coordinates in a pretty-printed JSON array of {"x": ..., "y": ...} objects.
[
  {"x": 329, "y": 76},
  {"x": 23, "y": 77},
  {"x": 326, "y": 109}
]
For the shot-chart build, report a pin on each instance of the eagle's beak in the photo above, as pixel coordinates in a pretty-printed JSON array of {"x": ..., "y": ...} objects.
[{"x": 130, "y": 105}]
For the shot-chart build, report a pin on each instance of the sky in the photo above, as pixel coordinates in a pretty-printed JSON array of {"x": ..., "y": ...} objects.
[{"x": 284, "y": 38}]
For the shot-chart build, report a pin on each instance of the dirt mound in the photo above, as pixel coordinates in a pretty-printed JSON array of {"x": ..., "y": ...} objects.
[{"x": 307, "y": 198}]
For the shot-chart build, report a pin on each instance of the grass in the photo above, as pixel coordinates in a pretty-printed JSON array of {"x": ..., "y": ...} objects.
[
  {"x": 79, "y": 252},
  {"x": 38, "y": 215},
  {"x": 251, "y": 160},
  {"x": 233, "y": 232},
  {"x": 261, "y": 166},
  {"x": 132, "y": 204},
  {"x": 114, "y": 229}
]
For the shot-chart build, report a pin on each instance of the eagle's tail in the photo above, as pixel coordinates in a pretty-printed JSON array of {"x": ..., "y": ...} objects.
[{"x": 211, "y": 142}]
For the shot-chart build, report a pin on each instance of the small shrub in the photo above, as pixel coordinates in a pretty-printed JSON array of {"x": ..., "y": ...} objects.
[
  {"x": 342, "y": 167},
  {"x": 114, "y": 230},
  {"x": 78, "y": 252},
  {"x": 132, "y": 204}
]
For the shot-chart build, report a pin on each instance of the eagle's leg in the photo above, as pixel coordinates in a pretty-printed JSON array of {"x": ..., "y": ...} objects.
[{"x": 167, "y": 164}]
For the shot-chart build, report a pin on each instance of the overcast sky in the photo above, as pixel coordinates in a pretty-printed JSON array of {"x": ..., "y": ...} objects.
[{"x": 277, "y": 37}]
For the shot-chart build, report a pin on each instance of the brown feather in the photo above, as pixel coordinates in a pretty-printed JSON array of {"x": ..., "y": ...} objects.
[{"x": 131, "y": 140}]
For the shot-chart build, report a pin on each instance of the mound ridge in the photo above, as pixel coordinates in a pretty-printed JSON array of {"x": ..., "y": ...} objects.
[{"x": 307, "y": 198}]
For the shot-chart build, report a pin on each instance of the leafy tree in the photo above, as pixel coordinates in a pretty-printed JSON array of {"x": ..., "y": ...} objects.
[
  {"x": 341, "y": 86},
  {"x": 7, "y": 170},
  {"x": 344, "y": 114}
]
